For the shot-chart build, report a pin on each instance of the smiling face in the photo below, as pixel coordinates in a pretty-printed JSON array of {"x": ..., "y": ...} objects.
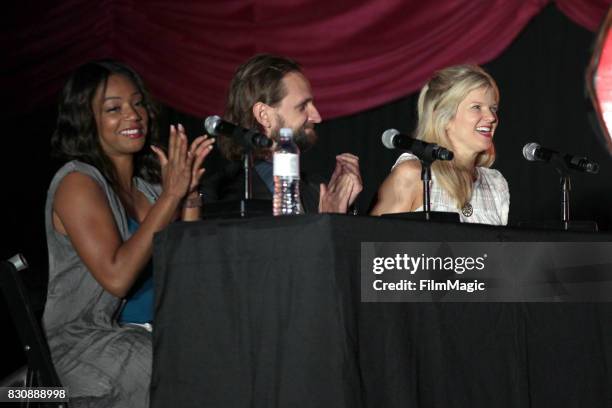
[
  {"x": 296, "y": 111},
  {"x": 472, "y": 128},
  {"x": 121, "y": 117}
]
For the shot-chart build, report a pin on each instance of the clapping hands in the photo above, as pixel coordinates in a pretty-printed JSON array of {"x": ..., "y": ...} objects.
[
  {"x": 343, "y": 187},
  {"x": 182, "y": 167}
]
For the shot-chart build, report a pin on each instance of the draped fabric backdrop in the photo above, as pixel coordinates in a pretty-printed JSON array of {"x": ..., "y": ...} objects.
[
  {"x": 365, "y": 59},
  {"x": 357, "y": 53}
]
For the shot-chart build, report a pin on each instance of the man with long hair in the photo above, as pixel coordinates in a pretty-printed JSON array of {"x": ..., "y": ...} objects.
[{"x": 268, "y": 93}]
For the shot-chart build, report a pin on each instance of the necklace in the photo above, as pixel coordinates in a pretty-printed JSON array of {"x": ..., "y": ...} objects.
[{"x": 467, "y": 210}]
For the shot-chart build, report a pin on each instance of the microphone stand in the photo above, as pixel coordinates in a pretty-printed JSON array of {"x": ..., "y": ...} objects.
[
  {"x": 426, "y": 214},
  {"x": 426, "y": 178},
  {"x": 566, "y": 186},
  {"x": 247, "y": 206},
  {"x": 247, "y": 165},
  {"x": 565, "y": 200}
]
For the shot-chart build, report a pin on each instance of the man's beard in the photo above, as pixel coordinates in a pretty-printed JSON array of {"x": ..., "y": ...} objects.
[{"x": 302, "y": 137}]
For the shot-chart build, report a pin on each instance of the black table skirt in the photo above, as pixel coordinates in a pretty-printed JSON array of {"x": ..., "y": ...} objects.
[{"x": 266, "y": 312}]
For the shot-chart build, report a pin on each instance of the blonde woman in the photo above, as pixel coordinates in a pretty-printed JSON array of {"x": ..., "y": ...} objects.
[{"x": 457, "y": 109}]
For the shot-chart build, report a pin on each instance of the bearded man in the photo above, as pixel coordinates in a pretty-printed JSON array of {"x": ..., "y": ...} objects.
[{"x": 268, "y": 93}]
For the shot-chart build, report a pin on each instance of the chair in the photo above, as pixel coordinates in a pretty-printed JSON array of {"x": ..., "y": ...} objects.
[{"x": 40, "y": 370}]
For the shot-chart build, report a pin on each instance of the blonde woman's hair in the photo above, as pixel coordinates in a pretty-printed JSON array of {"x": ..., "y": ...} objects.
[{"x": 437, "y": 106}]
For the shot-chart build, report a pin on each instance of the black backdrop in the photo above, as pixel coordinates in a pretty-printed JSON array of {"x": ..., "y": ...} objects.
[{"x": 541, "y": 79}]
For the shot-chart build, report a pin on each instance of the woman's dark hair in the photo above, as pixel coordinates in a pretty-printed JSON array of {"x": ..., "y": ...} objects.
[{"x": 76, "y": 136}]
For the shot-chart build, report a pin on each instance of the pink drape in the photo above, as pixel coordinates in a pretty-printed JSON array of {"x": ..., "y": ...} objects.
[
  {"x": 587, "y": 13},
  {"x": 358, "y": 54}
]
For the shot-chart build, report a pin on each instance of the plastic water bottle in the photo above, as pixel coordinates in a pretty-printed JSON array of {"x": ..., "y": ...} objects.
[{"x": 286, "y": 171}]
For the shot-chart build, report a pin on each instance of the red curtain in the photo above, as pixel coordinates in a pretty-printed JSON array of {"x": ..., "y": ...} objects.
[
  {"x": 587, "y": 13},
  {"x": 357, "y": 53}
]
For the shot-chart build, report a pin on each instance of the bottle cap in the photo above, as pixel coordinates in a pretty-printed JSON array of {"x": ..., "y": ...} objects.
[{"x": 286, "y": 132}]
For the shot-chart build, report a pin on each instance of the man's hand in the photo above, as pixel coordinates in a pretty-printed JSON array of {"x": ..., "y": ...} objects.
[{"x": 343, "y": 187}]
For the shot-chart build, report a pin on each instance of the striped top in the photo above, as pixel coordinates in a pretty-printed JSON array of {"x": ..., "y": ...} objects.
[{"x": 490, "y": 199}]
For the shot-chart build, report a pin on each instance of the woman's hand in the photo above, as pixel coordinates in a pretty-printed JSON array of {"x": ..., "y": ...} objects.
[
  {"x": 192, "y": 205},
  {"x": 199, "y": 150},
  {"x": 182, "y": 169},
  {"x": 178, "y": 167}
]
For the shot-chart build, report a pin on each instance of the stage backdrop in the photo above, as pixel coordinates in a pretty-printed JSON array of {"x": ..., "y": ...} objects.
[
  {"x": 358, "y": 54},
  {"x": 536, "y": 50}
]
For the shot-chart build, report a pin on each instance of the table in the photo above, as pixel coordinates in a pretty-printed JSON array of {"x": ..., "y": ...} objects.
[{"x": 266, "y": 312}]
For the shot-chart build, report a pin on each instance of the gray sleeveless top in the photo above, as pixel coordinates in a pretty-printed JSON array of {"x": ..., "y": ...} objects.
[{"x": 100, "y": 362}]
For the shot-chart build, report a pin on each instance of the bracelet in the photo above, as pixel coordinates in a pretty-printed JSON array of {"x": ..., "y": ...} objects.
[{"x": 193, "y": 202}]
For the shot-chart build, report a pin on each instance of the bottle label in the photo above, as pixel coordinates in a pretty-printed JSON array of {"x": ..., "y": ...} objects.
[{"x": 286, "y": 165}]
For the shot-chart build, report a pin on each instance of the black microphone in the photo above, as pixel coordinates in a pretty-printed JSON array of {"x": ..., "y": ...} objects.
[
  {"x": 249, "y": 138},
  {"x": 393, "y": 139},
  {"x": 535, "y": 152}
]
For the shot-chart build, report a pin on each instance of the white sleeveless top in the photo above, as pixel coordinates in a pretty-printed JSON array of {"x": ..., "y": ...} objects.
[{"x": 490, "y": 199}]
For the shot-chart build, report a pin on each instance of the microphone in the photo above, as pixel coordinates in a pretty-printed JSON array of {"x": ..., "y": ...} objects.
[
  {"x": 249, "y": 138},
  {"x": 535, "y": 152},
  {"x": 393, "y": 139}
]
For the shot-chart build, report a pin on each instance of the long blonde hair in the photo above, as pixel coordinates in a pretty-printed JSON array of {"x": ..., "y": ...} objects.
[{"x": 437, "y": 106}]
